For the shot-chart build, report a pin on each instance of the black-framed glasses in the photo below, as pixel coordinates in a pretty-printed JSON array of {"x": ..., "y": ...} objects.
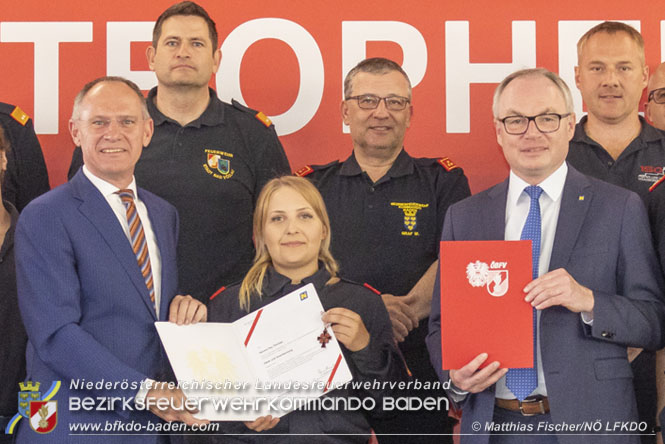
[
  {"x": 545, "y": 123},
  {"x": 657, "y": 95},
  {"x": 370, "y": 101}
]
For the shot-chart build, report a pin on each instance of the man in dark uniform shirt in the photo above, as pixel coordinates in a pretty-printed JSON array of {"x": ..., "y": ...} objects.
[
  {"x": 613, "y": 143},
  {"x": 386, "y": 210},
  {"x": 12, "y": 347},
  {"x": 207, "y": 158},
  {"x": 26, "y": 176}
]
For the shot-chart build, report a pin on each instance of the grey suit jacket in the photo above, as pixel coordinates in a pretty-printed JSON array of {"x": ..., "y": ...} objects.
[{"x": 603, "y": 240}]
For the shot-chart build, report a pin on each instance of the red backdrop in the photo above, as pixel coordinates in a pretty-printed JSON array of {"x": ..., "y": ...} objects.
[{"x": 50, "y": 49}]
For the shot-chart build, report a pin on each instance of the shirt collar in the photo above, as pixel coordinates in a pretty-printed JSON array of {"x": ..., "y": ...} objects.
[
  {"x": 9, "y": 236},
  {"x": 106, "y": 188},
  {"x": 552, "y": 186},
  {"x": 648, "y": 133},
  {"x": 402, "y": 166},
  {"x": 212, "y": 116},
  {"x": 276, "y": 284}
]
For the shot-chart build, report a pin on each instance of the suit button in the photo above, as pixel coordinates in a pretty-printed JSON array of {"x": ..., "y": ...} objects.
[{"x": 607, "y": 334}]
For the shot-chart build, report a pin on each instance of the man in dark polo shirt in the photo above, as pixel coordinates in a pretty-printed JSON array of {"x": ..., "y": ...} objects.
[
  {"x": 386, "y": 211},
  {"x": 207, "y": 158},
  {"x": 613, "y": 143}
]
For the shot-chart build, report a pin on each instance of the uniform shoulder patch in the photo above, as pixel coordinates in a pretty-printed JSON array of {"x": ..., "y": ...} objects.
[
  {"x": 259, "y": 115},
  {"x": 447, "y": 164},
  {"x": 309, "y": 169},
  {"x": 20, "y": 116},
  {"x": 263, "y": 118},
  {"x": 304, "y": 171},
  {"x": 656, "y": 184}
]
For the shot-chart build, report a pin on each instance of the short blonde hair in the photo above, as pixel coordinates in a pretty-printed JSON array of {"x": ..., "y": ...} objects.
[
  {"x": 612, "y": 28},
  {"x": 253, "y": 282}
]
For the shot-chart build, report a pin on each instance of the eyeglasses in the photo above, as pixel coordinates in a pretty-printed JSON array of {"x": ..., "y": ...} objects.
[
  {"x": 370, "y": 101},
  {"x": 657, "y": 95},
  {"x": 545, "y": 123}
]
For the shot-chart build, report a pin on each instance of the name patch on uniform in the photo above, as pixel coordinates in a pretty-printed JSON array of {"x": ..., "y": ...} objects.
[
  {"x": 410, "y": 210},
  {"x": 650, "y": 173},
  {"x": 218, "y": 164}
]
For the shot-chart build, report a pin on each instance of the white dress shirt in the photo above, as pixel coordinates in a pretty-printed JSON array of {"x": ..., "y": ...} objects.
[
  {"x": 517, "y": 210},
  {"x": 109, "y": 192}
]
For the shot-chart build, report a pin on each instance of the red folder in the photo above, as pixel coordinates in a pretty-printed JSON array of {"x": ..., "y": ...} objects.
[{"x": 482, "y": 303}]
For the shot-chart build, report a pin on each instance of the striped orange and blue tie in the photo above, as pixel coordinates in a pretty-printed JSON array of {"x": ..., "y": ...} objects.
[{"x": 137, "y": 238}]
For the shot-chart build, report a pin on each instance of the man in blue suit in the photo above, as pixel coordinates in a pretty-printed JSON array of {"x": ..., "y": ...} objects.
[
  {"x": 596, "y": 289},
  {"x": 93, "y": 278}
]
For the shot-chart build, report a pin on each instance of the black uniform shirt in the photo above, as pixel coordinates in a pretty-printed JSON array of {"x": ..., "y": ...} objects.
[
  {"x": 638, "y": 167},
  {"x": 378, "y": 361},
  {"x": 212, "y": 171},
  {"x": 387, "y": 233},
  {"x": 14, "y": 339},
  {"x": 26, "y": 176}
]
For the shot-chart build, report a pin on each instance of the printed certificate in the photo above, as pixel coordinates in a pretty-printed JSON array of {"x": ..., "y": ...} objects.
[
  {"x": 269, "y": 362},
  {"x": 482, "y": 303}
]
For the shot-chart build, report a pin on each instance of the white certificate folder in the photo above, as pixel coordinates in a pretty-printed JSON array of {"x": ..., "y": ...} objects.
[{"x": 274, "y": 360}]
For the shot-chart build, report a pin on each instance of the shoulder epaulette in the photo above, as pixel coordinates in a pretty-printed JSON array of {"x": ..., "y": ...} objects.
[
  {"x": 655, "y": 185},
  {"x": 304, "y": 171},
  {"x": 260, "y": 116},
  {"x": 309, "y": 169},
  {"x": 15, "y": 112},
  {"x": 446, "y": 163}
]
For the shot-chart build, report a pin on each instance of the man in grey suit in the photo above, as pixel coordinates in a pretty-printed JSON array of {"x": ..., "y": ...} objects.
[{"x": 596, "y": 289}]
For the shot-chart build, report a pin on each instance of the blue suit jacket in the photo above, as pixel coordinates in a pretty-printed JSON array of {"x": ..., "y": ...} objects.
[
  {"x": 603, "y": 241},
  {"x": 85, "y": 305}
]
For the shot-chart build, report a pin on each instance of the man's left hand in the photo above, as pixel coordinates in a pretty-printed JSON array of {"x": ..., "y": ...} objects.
[
  {"x": 187, "y": 310},
  {"x": 559, "y": 288}
]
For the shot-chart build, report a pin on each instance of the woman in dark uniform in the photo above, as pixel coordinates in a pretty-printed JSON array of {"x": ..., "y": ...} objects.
[{"x": 292, "y": 236}]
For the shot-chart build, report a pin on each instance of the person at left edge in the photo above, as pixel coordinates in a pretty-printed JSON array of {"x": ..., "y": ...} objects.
[
  {"x": 207, "y": 158},
  {"x": 292, "y": 233},
  {"x": 26, "y": 176},
  {"x": 88, "y": 307},
  {"x": 386, "y": 213},
  {"x": 12, "y": 348}
]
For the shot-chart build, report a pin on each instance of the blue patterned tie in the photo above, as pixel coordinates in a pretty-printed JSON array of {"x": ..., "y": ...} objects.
[{"x": 523, "y": 381}]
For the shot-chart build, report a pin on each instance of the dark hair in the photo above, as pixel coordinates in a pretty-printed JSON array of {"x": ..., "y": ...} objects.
[
  {"x": 4, "y": 143},
  {"x": 374, "y": 65},
  {"x": 88, "y": 86},
  {"x": 185, "y": 8},
  {"x": 4, "y": 148}
]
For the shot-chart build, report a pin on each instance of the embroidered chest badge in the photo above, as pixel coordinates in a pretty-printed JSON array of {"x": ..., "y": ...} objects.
[
  {"x": 410, "y": 210},
  {"x": 218, "y": 164}
]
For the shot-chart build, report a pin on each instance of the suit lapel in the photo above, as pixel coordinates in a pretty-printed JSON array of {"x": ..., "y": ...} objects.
[
  {"x": 494, "y": 212},
  {"x": 159, "y": 223},
  {"x": 575, "y": 200},
  {"x": 95, "y": 208}
]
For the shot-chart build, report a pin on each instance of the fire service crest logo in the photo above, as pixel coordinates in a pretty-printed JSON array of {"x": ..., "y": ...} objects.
[
  {"x": 218, "y": 164},
  {"x": 493, "y": 276}
]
